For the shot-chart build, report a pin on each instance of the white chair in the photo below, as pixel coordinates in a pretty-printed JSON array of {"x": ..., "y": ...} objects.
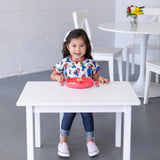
[
  {"x": 80, "y": 18},
  {"x": 135, "y": 48},
  {"x": 151, "y": 66}
]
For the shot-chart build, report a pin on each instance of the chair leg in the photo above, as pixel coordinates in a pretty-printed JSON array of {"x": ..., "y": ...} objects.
[
  {"x": 120, "y": 68},
  {"x": 127, "y": 65},
  {"x": 60, "y": 121},
  {"x": 133, "y": 62},
  {"x": 147, "y": 83},
  {"x": 158, "y": 57},
  {"x": 118, "y": 129},
  {"x": 111, "y": 69},
  {"x": 157, "y": 78}
]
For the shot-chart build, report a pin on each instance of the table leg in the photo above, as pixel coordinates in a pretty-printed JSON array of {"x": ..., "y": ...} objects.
[
  {"x": 60, "y": 121},
  {"x": 29, "y": 129},
  {"x": 37, "y": 130},
  {"x": 127, "y": 133},
  {"x": 118, "y": 129},
  {"x": 139, "y": 84}
]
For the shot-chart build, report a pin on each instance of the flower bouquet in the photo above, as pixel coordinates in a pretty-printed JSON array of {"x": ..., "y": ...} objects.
[{"x": 133, "y": 11}]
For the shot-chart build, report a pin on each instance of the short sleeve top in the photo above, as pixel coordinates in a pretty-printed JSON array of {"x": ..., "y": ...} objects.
[{"x": 77, "y": 69}]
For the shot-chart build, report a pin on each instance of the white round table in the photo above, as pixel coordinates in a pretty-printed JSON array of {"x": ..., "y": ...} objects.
[{"x": 143, "y": 30}]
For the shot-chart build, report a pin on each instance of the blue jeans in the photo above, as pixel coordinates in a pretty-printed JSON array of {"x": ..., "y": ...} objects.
[{"x": 87, "y": 123}]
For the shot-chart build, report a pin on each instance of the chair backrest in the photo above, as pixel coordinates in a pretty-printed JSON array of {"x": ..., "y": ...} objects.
[
  {"x": 155, "y": 12},
  {"x": 80, "y": 18}
]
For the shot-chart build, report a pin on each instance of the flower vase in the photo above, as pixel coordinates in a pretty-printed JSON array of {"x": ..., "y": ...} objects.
[{"x": 133, "y": 21}]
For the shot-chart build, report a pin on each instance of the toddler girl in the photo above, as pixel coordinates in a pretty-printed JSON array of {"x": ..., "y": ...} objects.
[{"x": 77, "y": 63}]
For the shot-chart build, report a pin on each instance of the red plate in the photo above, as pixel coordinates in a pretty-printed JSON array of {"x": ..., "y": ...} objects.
[{"x": 79, "y": 82}]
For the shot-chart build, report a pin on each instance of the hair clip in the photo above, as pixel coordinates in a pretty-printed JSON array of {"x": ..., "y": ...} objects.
[{"x": 66, "y": 36}]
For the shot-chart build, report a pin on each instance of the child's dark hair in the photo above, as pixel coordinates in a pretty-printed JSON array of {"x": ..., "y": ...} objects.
[{"x": 76, "y": 33}]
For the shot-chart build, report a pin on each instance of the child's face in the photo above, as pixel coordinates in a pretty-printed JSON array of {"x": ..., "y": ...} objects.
[{"x": 77, "y": 48}]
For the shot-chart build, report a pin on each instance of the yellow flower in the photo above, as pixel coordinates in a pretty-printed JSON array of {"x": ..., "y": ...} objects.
[{"x": 137, "y": 11}]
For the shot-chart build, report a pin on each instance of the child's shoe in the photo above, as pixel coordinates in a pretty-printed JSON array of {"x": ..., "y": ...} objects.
[
  {"x": 92, "y": 149},
  {"x": 63, "y": 150}
]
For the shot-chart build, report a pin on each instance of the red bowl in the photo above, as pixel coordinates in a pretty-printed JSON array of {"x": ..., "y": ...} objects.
[{"x": 79, "y": 83}]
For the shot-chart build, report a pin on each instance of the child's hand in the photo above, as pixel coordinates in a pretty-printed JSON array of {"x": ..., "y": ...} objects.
[
  {"x": 60, "y": 78},
  {"x": 103, "y": 80}
]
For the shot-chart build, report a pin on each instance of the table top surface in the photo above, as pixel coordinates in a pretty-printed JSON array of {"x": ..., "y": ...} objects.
[
  {"x": 50, "y": 93},
  {"x": 124, "y": 27}
]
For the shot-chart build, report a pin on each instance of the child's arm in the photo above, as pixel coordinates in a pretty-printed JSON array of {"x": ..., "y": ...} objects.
[
  {"x": 56, "y": 77},
  {"x": 101, "y": 79}
]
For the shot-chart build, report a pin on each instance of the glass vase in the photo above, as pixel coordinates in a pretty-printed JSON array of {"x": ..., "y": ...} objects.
[{"x": 133, "y": 21}]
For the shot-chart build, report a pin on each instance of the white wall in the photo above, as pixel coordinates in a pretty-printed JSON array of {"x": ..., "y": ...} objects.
[
  {"x": 121, "y": 40},
  {"x": 32, "y": 31}
]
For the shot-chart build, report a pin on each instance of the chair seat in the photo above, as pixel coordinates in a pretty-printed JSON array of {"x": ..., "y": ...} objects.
[
  {"x": 115, "y": 52},
  {"x": 154, "y": 63}
]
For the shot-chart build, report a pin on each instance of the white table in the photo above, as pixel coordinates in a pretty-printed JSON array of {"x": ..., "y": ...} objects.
[
  {"x": 50, "y": 97},
  {"x": 143, "y": 30}
]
